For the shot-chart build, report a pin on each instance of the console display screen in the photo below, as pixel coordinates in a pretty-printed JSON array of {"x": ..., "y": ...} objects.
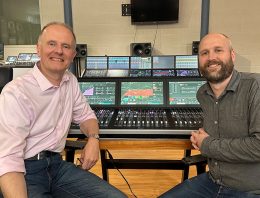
[
  {"x": 99, "y": 93},
  {"x": 35, "y": 57},
  {"x": 163, "y": 72},
  {"x": 163, "y": 62},
  {"x": 118, "y": 62},
  {"x": 11, "y": 59},
  {"x": 24, "y": 57},
  {"x": 96, "y": 62},
  {"x": 187, "y": 62},
  {"x": 184, "y": 92},
  {"x": 187, "y": 72},
  {"x": 140, "y": 73},
  {"x": 141, "y": 93},
  {"x": 138, "y": 62},
  {"x": 117, "y": 73}
]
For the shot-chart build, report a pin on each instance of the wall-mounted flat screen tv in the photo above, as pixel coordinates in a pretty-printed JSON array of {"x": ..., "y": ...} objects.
[{"x": 154, "y": 11}]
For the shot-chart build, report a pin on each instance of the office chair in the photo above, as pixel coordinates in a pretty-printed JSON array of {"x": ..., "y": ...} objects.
[{"x": 6, "y": 75}]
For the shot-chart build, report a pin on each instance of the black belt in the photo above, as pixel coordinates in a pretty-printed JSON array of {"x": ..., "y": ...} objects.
[{"x": 42, "y": 155}]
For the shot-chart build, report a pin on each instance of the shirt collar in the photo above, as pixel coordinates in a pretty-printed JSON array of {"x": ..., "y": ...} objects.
[
  {"x": 234, "y": 81},
  {"x": 43, "y": 82},
  {"x": 232, "y": 85}
]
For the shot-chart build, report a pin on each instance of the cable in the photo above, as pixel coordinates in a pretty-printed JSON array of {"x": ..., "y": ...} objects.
[
  {"x": 111, "y": 157},
  {"x": 135, "y": 34},
  {"x": 154, "y": 39}
]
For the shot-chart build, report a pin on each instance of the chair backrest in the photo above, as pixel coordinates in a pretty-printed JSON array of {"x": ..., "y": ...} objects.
[{"x": 6, "y": 75}]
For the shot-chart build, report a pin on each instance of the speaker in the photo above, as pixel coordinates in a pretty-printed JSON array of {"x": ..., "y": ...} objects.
[
  {"x": 81, "y": 50},
  {"x": 141, "y": 49},
  {"x": 195, "y": 47}
]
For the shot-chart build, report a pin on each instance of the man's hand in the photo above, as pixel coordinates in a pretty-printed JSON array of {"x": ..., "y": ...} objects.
[
  {"x": 90, "y": 154},
  {"x": 197, "y": 137}
]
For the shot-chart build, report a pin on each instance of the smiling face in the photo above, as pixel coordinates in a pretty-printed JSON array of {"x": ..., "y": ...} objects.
[
  {"x": 56, "y": 48},
  {"x": 216, "y": 58}
]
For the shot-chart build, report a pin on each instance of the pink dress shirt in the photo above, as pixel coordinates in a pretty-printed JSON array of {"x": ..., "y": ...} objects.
[{"x": 36, "y": 116}]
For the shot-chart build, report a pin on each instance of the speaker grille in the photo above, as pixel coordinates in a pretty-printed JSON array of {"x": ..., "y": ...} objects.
[
  {"x": 141, "y": 49},
  {"x": 81, "y": 50},
  {"x": 195, "y": 47}
]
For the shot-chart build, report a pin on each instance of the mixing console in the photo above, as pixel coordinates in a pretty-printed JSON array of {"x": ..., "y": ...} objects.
[{"x": 136, "y": 97}]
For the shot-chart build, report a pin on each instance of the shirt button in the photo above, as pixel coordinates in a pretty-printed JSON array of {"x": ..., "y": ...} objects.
[
  {"x": 216, "y": 102},
  {"x": 216, "y": 163},
  {"x": 218, "y": 181},
  {"x": 215, "y": 122}
]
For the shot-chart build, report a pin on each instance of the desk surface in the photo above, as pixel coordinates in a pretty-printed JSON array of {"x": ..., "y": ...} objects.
[{"x": 137, "y": 144}]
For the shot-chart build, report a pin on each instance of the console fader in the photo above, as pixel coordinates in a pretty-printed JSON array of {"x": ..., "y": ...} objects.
[
  {"x": 154, "y": 122},
  {"x": 177, "y": 118}
]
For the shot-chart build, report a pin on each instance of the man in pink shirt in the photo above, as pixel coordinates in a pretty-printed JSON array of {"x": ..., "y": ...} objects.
[{"x": 36, "y": 111}]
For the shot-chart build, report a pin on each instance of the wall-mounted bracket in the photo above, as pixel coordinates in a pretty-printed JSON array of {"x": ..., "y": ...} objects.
[{"x": 126, "y": 9}]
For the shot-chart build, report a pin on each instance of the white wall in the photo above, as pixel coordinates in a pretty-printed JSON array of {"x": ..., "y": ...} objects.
[{"x": 100, "y": 25}]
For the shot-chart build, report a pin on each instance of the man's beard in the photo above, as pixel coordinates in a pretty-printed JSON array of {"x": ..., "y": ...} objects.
[{"x": 224, "y": 72}]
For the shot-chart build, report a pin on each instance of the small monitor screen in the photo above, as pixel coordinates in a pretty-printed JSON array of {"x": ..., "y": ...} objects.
[
  {"x": 24, "y": 56},
  {"x": 118, "y": 62},
  {"x": 140, "y": 73},
  {"x": 163, "y": 62},
  {"x": 99, "y": 93},
  {"x": 188, "y": 62},
  {"x": 141, "y": 93},
  {"x": 1, "y": 51},
  {"x": 184, "y": 92},
  {"x": 35, "y": 57},
  {"x": 96, "y": 62},
  {"x": 95, "y": 73},
  {"x": 117, "y": 73},
  {"x": 187, "y": 72},
  {"x": 11, "y": 59},
  {"x": 138, "y": 62},
  {"x": 163, "y": 72}
]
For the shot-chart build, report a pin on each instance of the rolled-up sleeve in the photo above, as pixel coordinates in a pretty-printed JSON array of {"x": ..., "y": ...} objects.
[{"x": 14, "y": 126}]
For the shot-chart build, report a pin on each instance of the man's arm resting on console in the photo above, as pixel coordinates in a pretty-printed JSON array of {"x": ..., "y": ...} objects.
[
  {"x": 13, "y": 185},
  {"x": 89, "y": 127}
]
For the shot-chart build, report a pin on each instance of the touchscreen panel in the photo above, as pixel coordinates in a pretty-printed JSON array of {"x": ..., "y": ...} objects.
[
  {"x": 184, "y": 92},
  {"x": 163, "y": 62},
  {"x": 141, "y": 93},
  {"x": 118, "y": 62},
  {"x": 24, "y": 56},
  {"x": 186, "y": 62},
  {"x": 138, "y": 62},
  {"x": 99, "y": 93},
  {"x": 96, "y": 62}
]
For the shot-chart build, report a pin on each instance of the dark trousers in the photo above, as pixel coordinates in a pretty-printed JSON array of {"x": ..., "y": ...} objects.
[
  {"x": 202, "y": 186},
  {"x": 53, "y": 177}
]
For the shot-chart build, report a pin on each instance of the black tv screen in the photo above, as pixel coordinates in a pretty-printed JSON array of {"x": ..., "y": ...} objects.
[{"x": 154, "y": 11}]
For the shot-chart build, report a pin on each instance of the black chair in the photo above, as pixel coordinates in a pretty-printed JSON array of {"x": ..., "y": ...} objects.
[
  {"x": 6, "y": 75},
  {"x": 198, "y": 160}
]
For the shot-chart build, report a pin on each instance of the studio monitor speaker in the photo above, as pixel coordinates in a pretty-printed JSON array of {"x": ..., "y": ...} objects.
[
  {"x": 195, "y": 47},
  {"x": 81, "y": 50},
  {"x": 141, "y": 49}
]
